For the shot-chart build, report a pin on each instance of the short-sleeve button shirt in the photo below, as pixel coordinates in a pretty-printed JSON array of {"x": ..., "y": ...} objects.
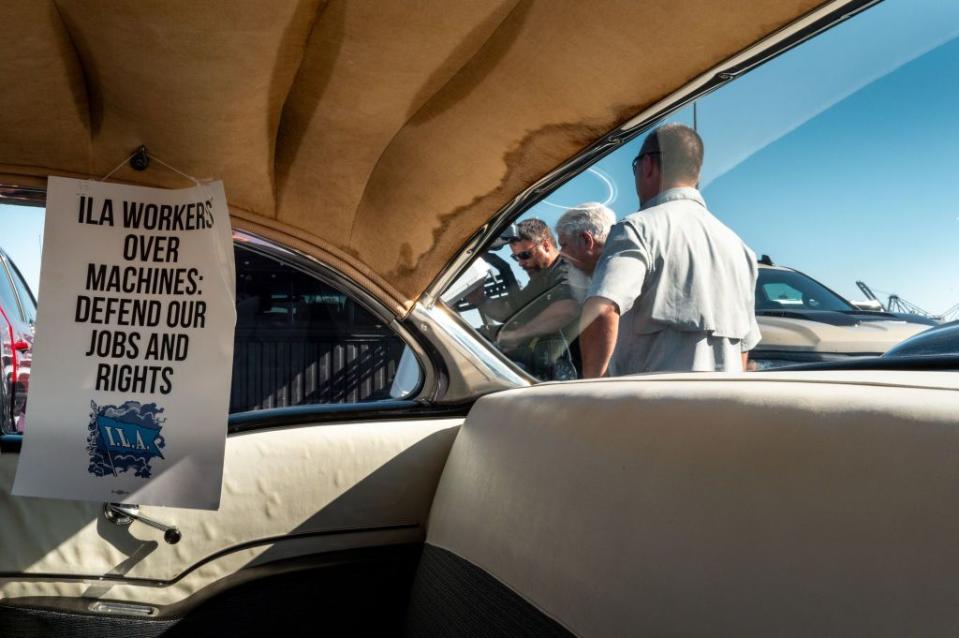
[{"x": 684, "y": 284}]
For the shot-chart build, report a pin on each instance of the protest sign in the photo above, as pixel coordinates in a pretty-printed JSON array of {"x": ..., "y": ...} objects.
[{"x": 133, "y": 351}]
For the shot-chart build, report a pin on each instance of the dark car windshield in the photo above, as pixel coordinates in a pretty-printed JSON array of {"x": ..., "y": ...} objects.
[{"x": 790, "y": 290}]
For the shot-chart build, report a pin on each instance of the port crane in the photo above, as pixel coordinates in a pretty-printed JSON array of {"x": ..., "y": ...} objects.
[{"x": 895, "y": 303}]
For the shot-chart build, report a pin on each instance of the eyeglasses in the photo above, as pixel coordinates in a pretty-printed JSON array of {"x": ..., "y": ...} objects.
[
  {"x": 639, "y": 158},
  {"x": 526, "y": 254}
]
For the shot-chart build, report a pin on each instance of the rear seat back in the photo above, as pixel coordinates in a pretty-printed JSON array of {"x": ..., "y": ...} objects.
[{"x": 704, "y": 505}]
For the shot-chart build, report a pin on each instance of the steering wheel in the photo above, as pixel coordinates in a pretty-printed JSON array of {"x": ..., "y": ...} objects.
[
  {"x": 504, "y": 283},
  {"x": 548, "y": 356},
  {"x": 505, "y": 272}
]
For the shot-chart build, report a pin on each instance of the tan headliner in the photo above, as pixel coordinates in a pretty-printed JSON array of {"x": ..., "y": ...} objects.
[{"x": 375, "y": 135}]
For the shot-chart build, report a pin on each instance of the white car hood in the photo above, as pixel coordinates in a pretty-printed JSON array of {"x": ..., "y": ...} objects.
[{"x": 867, "y": 337}]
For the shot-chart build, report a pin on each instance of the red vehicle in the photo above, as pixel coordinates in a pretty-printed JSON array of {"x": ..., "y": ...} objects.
[{"x": 18, "y": 311}]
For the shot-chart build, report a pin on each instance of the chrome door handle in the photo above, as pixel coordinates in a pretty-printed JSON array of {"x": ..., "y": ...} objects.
[{"x": 123, "y": 515}]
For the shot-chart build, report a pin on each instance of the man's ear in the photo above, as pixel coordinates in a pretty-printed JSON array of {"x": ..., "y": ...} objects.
[
  {"x": 648, "y": 165},
  {"x": 588, "y": 240}
]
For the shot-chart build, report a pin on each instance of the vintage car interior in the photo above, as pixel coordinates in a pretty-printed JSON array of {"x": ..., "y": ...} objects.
[{"x": 380, "y": 147}]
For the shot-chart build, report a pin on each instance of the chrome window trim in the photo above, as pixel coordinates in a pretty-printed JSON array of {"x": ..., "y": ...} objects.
[
  {"x": 23, "y": 195},
  {"x": 474, "y": 368},
  {"x": 773, "y": 45}
]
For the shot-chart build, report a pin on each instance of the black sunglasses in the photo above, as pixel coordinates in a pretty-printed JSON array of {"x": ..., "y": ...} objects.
[{"x": 526, "y": 254}]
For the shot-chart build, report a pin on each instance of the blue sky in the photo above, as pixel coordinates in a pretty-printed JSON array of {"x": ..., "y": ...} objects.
[{"x": 837, "y": 158}]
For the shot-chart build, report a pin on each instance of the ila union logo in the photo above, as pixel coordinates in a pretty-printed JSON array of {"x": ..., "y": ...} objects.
[{"x": 123, "y": 438}]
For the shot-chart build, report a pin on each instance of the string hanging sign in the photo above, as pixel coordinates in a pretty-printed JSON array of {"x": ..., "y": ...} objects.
[{"x": 134, "y": 346}]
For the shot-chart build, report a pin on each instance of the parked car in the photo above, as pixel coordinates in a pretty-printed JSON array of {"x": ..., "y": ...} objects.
[
  {"x": 371, "y": 152},
  {"x": 803, "y": 321},
  {"x": 18, "y": 311},
  {"x": 934, "y": 349},
  {"x": 937, "y": 341}
]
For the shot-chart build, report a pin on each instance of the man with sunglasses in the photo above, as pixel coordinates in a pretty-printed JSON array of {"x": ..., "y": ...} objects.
[
  {"x": 674, "y": 289},
  {"x": 546, "y": 305}
]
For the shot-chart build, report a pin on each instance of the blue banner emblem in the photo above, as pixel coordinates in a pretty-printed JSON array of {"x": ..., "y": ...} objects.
[{"x": 125, "y": 437}]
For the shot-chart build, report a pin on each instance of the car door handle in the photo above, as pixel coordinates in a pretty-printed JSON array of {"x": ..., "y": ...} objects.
[{"x": 123, "y": 515}]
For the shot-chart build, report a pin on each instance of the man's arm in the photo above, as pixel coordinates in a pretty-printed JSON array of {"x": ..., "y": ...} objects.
[
  {"x": 617, "y": 283},
  {"x": 753, "y": 337},
  {"x": 553, "y": 318},
  {"x": 598, "y": 339}
]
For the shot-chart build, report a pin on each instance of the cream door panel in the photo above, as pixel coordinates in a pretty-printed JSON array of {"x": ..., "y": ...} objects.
[{"x": 287, "y": 492}]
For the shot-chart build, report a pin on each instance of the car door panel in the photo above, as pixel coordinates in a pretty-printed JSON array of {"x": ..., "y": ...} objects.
[
  {"x": 287, "y": 492},
  {"x": 810, "y": 503}
]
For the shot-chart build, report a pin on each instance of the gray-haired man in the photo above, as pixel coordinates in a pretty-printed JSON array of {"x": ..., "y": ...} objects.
[{"x": 582, "y": 233}]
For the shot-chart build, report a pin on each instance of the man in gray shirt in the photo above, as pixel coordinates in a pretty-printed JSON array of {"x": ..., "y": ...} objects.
[{"x": 674, "y": 289}]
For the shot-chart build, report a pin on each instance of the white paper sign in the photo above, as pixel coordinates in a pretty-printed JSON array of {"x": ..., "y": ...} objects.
[{"x": 133, "y": 352}]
